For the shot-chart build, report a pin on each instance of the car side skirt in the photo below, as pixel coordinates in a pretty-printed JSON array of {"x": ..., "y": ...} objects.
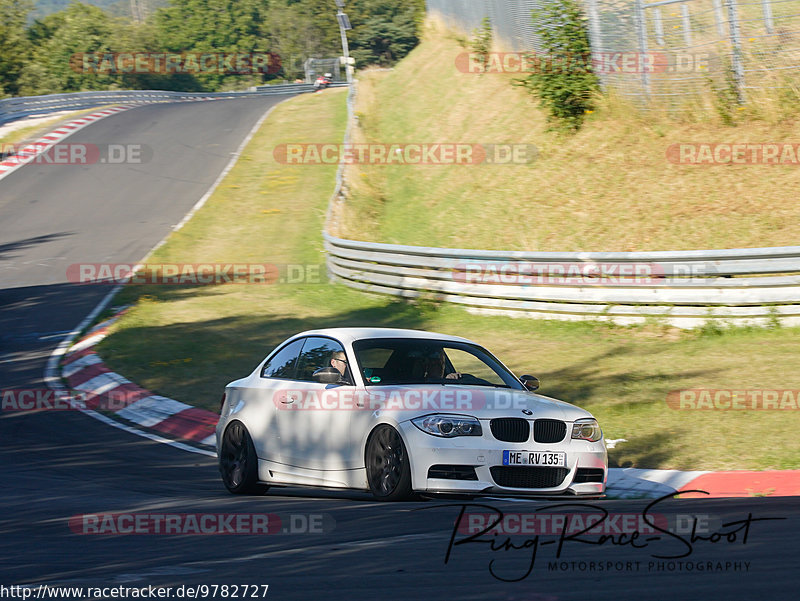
[{"x": 272, "y": 472}]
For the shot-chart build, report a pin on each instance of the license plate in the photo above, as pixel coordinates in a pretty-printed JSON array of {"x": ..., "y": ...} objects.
[{"x": 554, "y": 458}]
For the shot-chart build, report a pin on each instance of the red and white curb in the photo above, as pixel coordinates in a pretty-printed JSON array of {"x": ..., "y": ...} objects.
[
  {"x": 29, "y": 152},
  {"x": 86, "y": 373},
  {"x": 633, "y": 483},
  {"x": 630, "y": 483}
]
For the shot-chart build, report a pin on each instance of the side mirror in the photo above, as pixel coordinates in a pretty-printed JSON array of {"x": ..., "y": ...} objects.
[
  {"x": 327, "y": 375},
  {"x": 530, "y": 382}
]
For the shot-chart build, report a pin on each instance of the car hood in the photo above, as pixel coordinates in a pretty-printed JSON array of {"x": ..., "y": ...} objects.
[{"x": 482, "y": 402}]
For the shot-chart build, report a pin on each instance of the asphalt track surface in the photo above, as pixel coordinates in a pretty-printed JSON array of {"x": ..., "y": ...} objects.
[{"x": 56, "y": 465}]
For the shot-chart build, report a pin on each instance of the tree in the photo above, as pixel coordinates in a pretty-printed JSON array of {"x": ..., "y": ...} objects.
[
  {"x": 58, "y": 43},
  {"x": 214, "y": 26},
  {"x": 47, "y": 57},
  {"x": 564, "y": 79},
  {"x": 300, "y": 29},
  {"x": 384, "y": 31}
]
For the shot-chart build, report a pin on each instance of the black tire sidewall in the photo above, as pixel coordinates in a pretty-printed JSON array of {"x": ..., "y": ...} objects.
[
  {"x": 249, "y": 484},
  {"x": 403, "y": 491}
]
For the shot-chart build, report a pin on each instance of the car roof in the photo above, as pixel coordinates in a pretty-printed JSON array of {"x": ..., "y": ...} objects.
[{"x": 353, "y": 334}]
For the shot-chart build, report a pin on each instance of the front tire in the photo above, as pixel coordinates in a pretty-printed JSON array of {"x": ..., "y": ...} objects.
[
  {"x": 238, "y": 463},
  {"x": 388, "y": 468}
]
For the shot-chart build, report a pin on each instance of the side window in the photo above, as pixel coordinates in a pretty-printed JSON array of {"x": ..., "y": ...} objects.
[
  {"x": 317, "y": 353},
  {"x": 283, "y": 364},
  {"x": 374, "y": 362},
  {"x": 374, "y": 358}
]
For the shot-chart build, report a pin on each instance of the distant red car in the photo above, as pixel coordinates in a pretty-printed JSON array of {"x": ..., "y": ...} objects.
[{"x": 322, "y": 82}]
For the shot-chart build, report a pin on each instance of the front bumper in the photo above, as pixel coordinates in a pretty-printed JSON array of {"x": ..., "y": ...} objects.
[{"x": 484, "y": 452}]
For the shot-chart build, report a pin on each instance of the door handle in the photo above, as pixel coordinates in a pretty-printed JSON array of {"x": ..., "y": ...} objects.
[{"x": 290, "y": 398}]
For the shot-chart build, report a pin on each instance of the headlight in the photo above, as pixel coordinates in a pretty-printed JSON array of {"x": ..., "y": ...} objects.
[
  {"x": 587, "y": 429},
  {"x": 448, "y": 426}
]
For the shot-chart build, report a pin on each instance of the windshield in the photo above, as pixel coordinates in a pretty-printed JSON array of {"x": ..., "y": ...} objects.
[{"x": 389, "y": 361}]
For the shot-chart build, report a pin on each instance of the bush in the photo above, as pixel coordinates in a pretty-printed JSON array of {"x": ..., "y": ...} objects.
[
  {"x": 565, "y": 81},
  {"x": 481, "y": 43}
]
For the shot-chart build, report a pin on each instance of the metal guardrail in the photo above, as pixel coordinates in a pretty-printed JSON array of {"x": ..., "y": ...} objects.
[
  {"x": 12, "y": 109},
  {"x": 684, "y": 288},
  {"x": 306, "y": 87}
]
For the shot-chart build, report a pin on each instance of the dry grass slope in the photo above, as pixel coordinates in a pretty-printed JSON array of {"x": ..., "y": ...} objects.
[{"x": 609, "y": 187}]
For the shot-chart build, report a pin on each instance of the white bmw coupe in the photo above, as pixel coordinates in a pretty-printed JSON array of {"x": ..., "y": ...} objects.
[{"x": 398, "y": 413}]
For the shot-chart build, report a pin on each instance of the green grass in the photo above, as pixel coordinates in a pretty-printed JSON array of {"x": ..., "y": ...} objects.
[
  {"x": 187, "y": 343},
  {"x": 610, "y": 187}
]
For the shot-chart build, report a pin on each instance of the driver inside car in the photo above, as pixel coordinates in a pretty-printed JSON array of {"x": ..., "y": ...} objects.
[
  {"x": 339, "y": 361},
  {"x": 434, "y": 367}
]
